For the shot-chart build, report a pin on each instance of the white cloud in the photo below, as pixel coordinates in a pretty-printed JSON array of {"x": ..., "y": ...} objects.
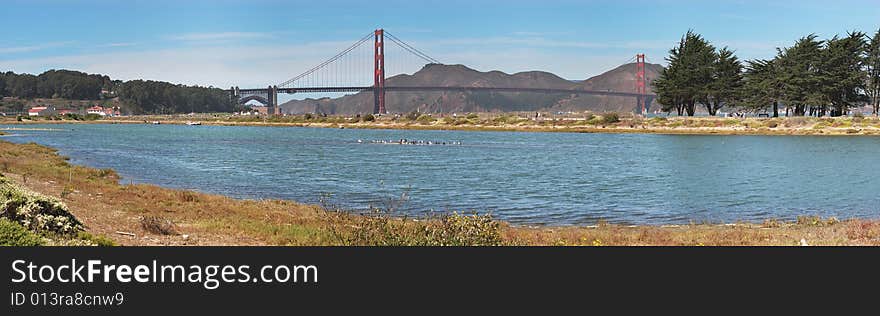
[
  {"x": 221, "y": 66},
  {"x": 32, "y": 48},
  {"x": 271, "y": 63}
]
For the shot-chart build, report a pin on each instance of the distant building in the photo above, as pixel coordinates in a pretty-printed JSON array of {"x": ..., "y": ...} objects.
[
  {"x": 96, "y": 110},
  {"x": 262, "y": 110},
  {"x": 42, "y": 111},
  {"x": 102, "y": 111}
]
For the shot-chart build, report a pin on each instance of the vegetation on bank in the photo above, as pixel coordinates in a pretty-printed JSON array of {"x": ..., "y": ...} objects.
[
  {"x": 136, "y": 96},
  {"x": 32, "y": 219},
  {"x": 608, "y": 122},
  {"x": 813, "y": 77},
  {"x": 140, "y": 214}
]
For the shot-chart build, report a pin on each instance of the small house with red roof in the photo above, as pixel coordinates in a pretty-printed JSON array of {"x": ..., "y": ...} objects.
[
  {"x": 102, "y": 111},
  {"x": 99, "y": 110},
  {"x": 41, "y": 111}
]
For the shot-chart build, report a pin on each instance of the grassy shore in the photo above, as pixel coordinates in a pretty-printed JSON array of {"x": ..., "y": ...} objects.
[
  {"x": 581, "y": 123},
  {"x": 142, "y": 214}
]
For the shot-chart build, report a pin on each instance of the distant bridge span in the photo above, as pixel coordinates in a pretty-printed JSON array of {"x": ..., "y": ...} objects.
[
  {"x": 442, "y": 88},
  {"x": 331, "y": 76}
]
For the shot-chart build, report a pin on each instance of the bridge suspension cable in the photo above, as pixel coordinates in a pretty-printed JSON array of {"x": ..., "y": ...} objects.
[
  {"x": 287, "y": 83},
  {"x": 361, "y": 67},
  {"x": 355, "y": 65},
  {"x": 411, "y": 49}
]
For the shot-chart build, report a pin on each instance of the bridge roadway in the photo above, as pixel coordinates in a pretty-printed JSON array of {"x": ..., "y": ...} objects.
[{"x": 441, "y": 88}]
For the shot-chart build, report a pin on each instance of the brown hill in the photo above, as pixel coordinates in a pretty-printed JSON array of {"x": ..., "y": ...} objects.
[
  {"x": 622, "y": 79},
  {"x": 460, "y": 76}
]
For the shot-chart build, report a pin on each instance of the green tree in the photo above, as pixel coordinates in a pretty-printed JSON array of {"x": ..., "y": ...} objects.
[
  {"x": 22, "y": 86},
  {"x": 841, "y": 73},
  {"x": 873, "y": 69},
  {"x": 726, "y": 83},
  {"x": 669, "y": 96},
  {"x": 689, "y": 78},
  {"x": 762, "y": 86},
  {"x": 2, "y": 85},
  {"x": 166, "y": 98},
  {"x": 799, "y": 72}
]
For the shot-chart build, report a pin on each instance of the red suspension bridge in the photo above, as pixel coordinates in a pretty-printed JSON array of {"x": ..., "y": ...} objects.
[{"x": 361, "y": 67}]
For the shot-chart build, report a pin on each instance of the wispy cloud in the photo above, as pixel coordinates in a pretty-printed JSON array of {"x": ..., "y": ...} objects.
[
  {"x": 221, "y": 66},
  {"x": 117, "y": 45},
  {"x": 219, "y": 36},
  {"x": 271, "y": 62},
  {"x": 541, "y": 33},
  {"x": 520, "y": 41},
  {"x": 547, "y": 42},
  {"x": 32, "y": 48}
]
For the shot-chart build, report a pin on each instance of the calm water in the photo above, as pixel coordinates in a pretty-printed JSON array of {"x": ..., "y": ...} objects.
[{"x": 526, "y": 178}]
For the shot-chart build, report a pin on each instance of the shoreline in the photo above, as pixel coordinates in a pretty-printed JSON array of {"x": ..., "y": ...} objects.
[
  {"x": 783, "y": 126},
  {"x": 118, "y": 211}
]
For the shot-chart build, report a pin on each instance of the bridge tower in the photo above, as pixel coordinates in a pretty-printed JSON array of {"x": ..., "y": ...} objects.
[
  {"x": 272, "y": 98},
  {"x": 641, "y": 84},
  {"x": 379, "y": 72},
  {"x": 276, "y": 108},
  {"x": 234, "y": 95}
]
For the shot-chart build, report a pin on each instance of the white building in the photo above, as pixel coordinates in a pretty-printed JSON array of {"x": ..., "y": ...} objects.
[{"x": 42, "y": 111}]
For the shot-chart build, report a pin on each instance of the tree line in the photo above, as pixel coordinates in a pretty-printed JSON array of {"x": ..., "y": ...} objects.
[
  {"x": 64, "y": 84},
  {"x": 166, "y": 98},
  {"x": 813, "y": 77},
  {"x": 139, "y": 96}
]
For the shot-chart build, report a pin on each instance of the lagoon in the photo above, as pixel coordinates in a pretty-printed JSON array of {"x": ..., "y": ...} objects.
[{"x": 521, "y": 177}]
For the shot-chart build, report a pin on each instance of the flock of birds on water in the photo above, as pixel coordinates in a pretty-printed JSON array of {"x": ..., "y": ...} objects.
[{"x": 404, "y": 141}]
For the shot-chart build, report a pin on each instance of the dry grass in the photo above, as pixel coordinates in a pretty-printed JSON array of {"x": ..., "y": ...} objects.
[
  {"x": 118, "y": 211},
  {"x": 580, "y": 123},
  {"x": 850, "y": 232},
  {"x": 158, "y": 225}
]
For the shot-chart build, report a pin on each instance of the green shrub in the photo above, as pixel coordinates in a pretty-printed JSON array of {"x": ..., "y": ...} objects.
[
  {"x": 13, "y": 234},
  {"x": 804, "y": 220},
  {"x": 92, "y": 117},
  {"x": 95, "y": 240},
  {"x": 34, "y": 211},
  {"x": 472, "y": 116},
  {"x": 368, "y": 118},
  {"x": 379, "y": 228},
  {"x": 501, "y": 119},
  {"x": 425, "y": 119},
  {"x": 412, "y": 116},
  {"x": 464, "y": 230},
  {"x": 610, "y": 118}
]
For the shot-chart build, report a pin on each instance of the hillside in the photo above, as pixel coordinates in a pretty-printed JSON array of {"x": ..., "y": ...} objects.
[
  {"x": 618, "y": 79},
  {"x": 622, "y": 78}
]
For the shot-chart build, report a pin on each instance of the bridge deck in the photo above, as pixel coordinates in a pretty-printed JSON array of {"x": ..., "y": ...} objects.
[{"x": 441, "y": 88}]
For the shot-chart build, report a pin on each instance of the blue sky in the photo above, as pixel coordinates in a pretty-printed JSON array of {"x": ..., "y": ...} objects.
[{"x": 256, "y": 43}]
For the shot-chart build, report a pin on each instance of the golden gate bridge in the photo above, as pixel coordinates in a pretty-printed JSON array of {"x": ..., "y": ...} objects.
[{"x": 361, "y": 67}]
